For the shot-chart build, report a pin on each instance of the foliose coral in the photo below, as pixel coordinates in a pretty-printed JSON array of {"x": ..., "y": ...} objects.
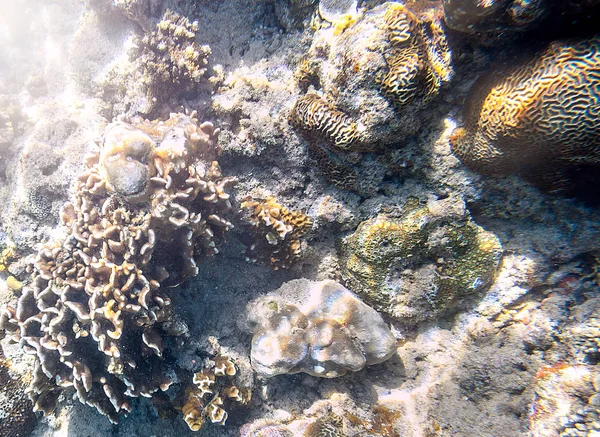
[
  {"x": 416, "y": 263},
  {"x": 277, "y": 231},
  {"x": 541, "y": 119},
  {"x": 214, "y": 387},
  {"x": 330, "y": 333},
  {"x": 95, "y": 313},
  {"x": 172, "y": 63},
  {"x": 16, "y": 416}
]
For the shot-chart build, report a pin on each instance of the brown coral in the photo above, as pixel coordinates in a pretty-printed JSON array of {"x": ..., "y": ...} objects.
[
  {"x": 541, "y": 120},
  {"x": 95, "y": 314},
  {"x": 277, "y": 231},
  {"x": 214, "y": 387},
  {"x": 312, "y": 115}
]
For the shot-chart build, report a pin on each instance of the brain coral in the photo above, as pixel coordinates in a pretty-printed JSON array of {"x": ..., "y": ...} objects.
[
  {"x": 540, "y": 120},
  {"x": 367, "y": 87},
  {"x": 95, "y": 312},
  {"x": 416, "y": 264},
  {"x": 331, "y": 333}
]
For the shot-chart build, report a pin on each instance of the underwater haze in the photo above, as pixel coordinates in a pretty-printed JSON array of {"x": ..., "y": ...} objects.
[{"x": 299, "y": 218}]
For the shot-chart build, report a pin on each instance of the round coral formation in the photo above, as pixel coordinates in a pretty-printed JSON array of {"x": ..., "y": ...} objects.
[
  {"x": 96, "y": 312},
  {"x": 418, "y": 264},
  {"x": 541, "y": 120}
]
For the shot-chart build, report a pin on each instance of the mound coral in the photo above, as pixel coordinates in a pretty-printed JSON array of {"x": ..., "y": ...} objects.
[
  {"x": 541, "y": 120},
  {"x": 171, "y": 61},
  {"x": 332, "y": 332},
  {"x": 367, "y": 86},
  {"x": 419, "y": 262},
  {"x": 213, "y": 388},
  {"x": 277, "y": 231},
  {"x": 95, "y": 313}
]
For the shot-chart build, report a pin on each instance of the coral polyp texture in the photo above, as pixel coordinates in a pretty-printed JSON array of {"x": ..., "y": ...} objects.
[
  {"x": 541, "y": 120},
  {"x": 213, "y": 389},
  {"x": 277, "y": 231},
  {"x": 17, "y": 418},
  {"x": 367, "y": 86},
  {"x": 419, "y": 262},
  {"x": 566, "y": 401},
  {"x": 95, "y": 313},
  {"x": 171, "y": 61},
  {"x": 327, "y": 333}
]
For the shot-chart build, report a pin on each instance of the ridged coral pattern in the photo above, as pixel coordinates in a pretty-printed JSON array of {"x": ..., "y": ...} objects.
[{"x": 545, "y": 113}]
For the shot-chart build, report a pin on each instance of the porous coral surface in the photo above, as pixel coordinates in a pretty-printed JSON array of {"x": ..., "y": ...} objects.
[{"x": 540, "y": 120}]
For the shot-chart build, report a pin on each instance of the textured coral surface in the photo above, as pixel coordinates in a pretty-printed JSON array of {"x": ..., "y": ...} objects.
[{"x": 541, "y": 119}]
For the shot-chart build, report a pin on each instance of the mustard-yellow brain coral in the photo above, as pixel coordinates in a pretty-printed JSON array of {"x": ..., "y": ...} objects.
[{"x": 543, "y": 118}]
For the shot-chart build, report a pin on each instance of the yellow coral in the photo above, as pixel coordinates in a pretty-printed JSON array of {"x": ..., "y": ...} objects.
[{"x": 540, "y": 119}]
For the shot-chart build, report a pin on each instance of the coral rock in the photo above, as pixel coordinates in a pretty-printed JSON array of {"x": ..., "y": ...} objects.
[
  {"x": 541, "y": 120},
  {"x": 16, "y": 416},
  {"x": 418, "y": 264},
  {"x": 331, "y": 333},
  {"x": 146, "y": 209}
]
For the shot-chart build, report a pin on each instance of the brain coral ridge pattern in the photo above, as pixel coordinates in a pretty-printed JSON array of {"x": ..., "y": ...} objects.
[
  {"x": 542, "y": 118},
  {"x": 95, "y": 313},
  {"x": 415, "y": 265},
  {"x": 277, "y": 231}
]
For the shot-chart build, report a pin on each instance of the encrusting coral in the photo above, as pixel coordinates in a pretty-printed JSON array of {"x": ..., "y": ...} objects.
[
  {"x": 96, "y": 312},
  {"x": 389, "y": 59},
  {"x": 541, "y": 120},
  {"x": 214, "y": 387},
  {"x": 277, "y": 231},
  {"x": 330, "y": 333},
  {"x": 417, "y": 264},
  {"x": 17, "y": 418}
]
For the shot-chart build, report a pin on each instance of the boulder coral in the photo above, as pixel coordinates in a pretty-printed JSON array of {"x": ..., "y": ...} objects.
[
  {"x": 541, "y": 120},
  {"x": 329, "y": 333},
  {"x": 366, "y": 87},
  {"x": 95, "y": 313},
  {"x": 417, "y": 263}
]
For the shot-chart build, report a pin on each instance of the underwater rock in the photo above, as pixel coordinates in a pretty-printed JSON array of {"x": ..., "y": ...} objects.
[
  {"x": 277, "y": 231},
  {"x": 420, "y": 262},
  {"x": 368, "y": 85},
  {"x": 582, "y": 333},
  {"x": 540, "y": 120},
  {"x": 329, "y": 332},
  {"x": 293, "y": 13},
  {"x": 566, "y": 401},
  {"x": 17, "y": 418},
  {"x": 96, "y": 313}
]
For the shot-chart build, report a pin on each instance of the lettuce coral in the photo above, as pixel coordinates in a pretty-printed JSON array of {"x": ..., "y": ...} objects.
[{"x": 96, "y": 312}]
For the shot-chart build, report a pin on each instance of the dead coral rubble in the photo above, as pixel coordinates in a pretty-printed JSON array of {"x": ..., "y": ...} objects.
[
  {"x": 277, "y": 231},
  {"x": 95, "y": 314},
  {"x": 541, "y": 119},
  {"x": 16, "y": 416}
]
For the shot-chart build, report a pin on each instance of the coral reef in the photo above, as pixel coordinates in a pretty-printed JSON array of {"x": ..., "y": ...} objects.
[
  {"x": 17, "y": 418},
  {"x": 293, "y": 13},
  {"x": 330, "y": 333},
  {"x": 95, "y": 313},
  {"x": 213, "y": 389},
  {"x": 540, "y": 120},
  {"x": 417, "y": 264},
  {"x": 374, "y": 79},
  {"x": 277, "y": 231},
  {"x": 566, "y": 401},
  {"x": 172, "y": 64},
  {"x": 582, "y": 333}
]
